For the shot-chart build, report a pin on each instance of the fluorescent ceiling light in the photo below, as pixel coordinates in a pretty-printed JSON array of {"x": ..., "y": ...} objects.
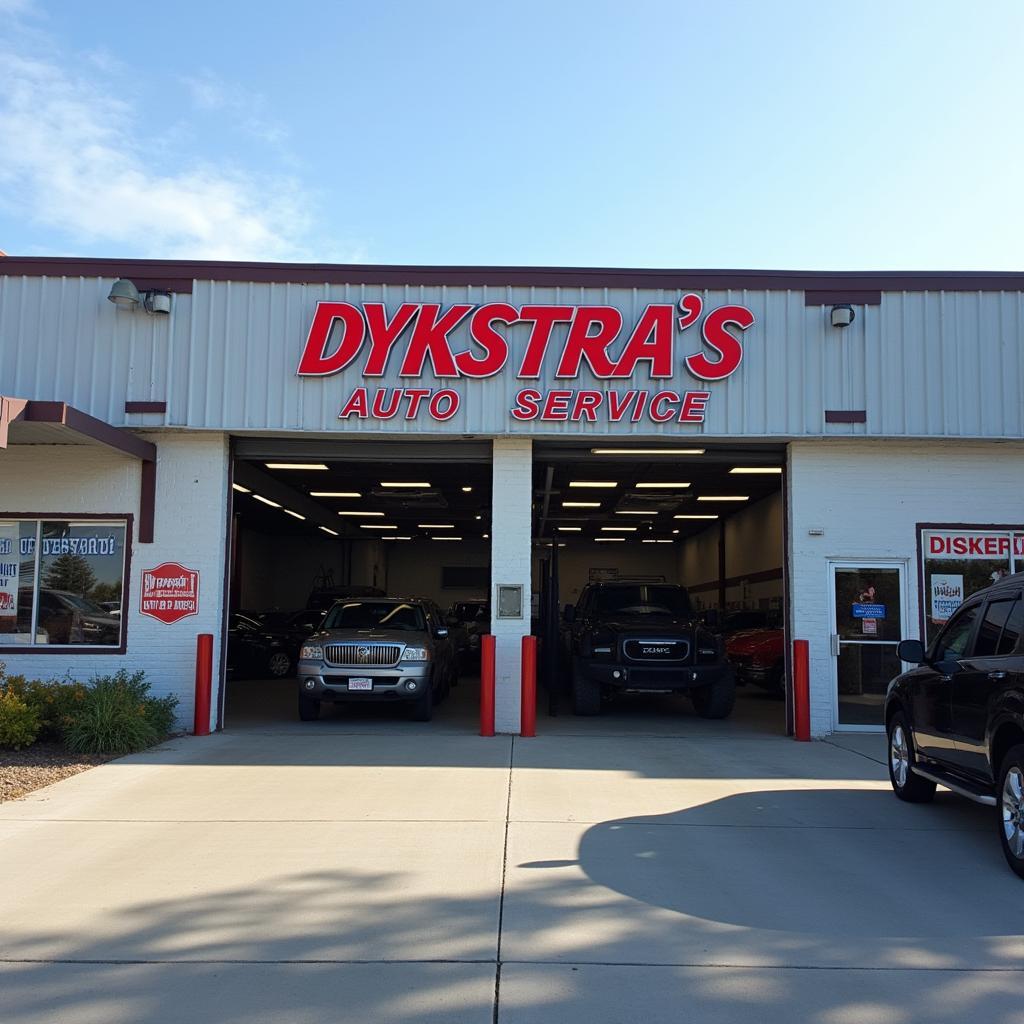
[
  {"x": 376, "y": 526},
  {"x": 633, "y": 512},
  {"x": 593, "y": 483},
  {"x": 570, "y": 529},
  {"x": 561, "y": 545},
  {"x": 404, "y": 483},
  {"x": 335, "y": 494},
  {"x": 295, "y": 465},
  {"x": 478, "y": 517},
  {"x": 396, "y": 538},
  {"x": 487, "y": 536},
  {"x": 447, "y": 536},
  {"x": 724, "y": 497},
  {"x": 756, "y": 469},
  {"x": 647, "y": 451},
  {"x": 654, "y": 540},
  {"x": 606, "y": 540},
  {"x": 327, "y": 529},
  {"x": 581, "y": 504},
  {"x": 362, "y": 515},
  {"x": 618, "y": 529},
  {"x": 436, "y": 526},
  {"x": 675, "y": 531},
  {"x": 295, "y": 514},
  {"x": 241, "y": 489},
  {"x": 695, "y": 517},
  {"x": 662, "y": 486},
  {"x": 466, "y": 490},
  {"x": 266, "y": 501}
]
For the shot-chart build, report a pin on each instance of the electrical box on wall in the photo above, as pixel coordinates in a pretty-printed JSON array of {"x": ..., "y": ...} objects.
[{"x": 510, "y": 601}]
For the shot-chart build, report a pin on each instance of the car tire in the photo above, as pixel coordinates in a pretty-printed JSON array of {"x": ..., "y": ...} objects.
[
  {"x": 309, "y": 708},
  {"x": 1010, "y": 803},
  {"x": 905, "y": 783},
  {"x": 717, "y": 699},
  {"x": 423, "y": 707},
  {"x": 279, "y": 665},
  {"x": 586, "y": 696}
]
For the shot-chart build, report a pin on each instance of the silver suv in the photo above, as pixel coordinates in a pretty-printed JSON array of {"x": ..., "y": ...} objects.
[{"x": 377, "y": 649}]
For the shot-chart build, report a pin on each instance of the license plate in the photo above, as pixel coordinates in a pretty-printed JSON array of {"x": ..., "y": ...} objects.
[{"x": 360, "y": 683}]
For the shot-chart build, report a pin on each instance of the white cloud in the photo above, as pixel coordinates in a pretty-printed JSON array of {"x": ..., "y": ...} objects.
[
  {"x": 212, "y": 94},
  {"x": 73, "y": 158}
]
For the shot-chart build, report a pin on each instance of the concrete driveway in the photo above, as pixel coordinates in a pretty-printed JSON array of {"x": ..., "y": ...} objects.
[{"x": 642, "y": 867}]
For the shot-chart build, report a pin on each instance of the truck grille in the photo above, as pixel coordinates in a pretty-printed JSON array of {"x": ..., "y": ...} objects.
[
  {"x": 656, "y": 650},
  {"x": 379, "y": 655}
]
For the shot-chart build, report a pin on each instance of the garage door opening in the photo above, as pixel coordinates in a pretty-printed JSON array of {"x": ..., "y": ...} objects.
[
  {"x": 617, "y": 532},
  {"x": 395, "y": 538}
]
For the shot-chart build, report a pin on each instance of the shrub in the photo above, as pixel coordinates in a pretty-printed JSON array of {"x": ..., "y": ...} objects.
[
  {"x": 54, "y": 702},
  {"x": 118, "y": 716},
  {"x": 19, "y": 724}
]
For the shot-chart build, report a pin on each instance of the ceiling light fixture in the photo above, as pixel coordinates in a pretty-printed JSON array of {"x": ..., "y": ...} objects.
[
  {"x": 327, "y": 529},
  {"x": 695, "y": 517},
  {"x": 335, "y": 494},
  {"x": 295, "y": 465},
  {"x": 466, "y": 490},
  {"x": 294, "y": 514},
  {"x": 581, "y": 504},
  {"x": 724, "y": 497},
  {"x": 362, "y": 515},
  {"x": 593, "y": 483},
  {"x": 570, "y": 529},
  {"x": 771, "y": 470},
  {"x": 647, "y": 451},
  {"x": 447, "y": 536},
  {"x": 607, "y": 540},
  {"x": 435, "y": 526},
  {"x": 396, "y": 538},
  {"x": 241, "y": 489},
  {"x": 618, "y": 529},
  {"x": 662, "y": 486},
  {"x": 404, "y": 483},
  {"x": 633, "y": 512},
  {"x": 376, "y": 526},
  {"x": 266, "y": 501}
]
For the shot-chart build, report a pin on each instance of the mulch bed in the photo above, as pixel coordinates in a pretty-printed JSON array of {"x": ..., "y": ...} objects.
[{"x": 42, "y": 764}]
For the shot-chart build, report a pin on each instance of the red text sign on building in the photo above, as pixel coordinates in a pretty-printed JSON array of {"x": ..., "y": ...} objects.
[
  {"x": 170, "y": 592},
  {"x": 416, "y": 339}
]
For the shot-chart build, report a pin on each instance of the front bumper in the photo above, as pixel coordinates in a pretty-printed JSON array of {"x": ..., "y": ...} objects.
[
  {"x": 651, "y": 677},
  {"x": 326, "y": 683}
]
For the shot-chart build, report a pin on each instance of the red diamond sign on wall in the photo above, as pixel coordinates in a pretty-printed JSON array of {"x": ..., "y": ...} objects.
[{"x": 170, "y": 592}]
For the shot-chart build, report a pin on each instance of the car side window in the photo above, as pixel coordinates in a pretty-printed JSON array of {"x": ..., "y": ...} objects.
[
  {"x": 992, "y": 626},
  {"x": 1013, "y": 629},
  {"x": 954, "y": 638}
]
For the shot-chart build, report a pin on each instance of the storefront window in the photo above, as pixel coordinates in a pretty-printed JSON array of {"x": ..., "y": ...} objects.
[
  {"x": 957, "y": 561},
  {"x": 66, "y": 578}
]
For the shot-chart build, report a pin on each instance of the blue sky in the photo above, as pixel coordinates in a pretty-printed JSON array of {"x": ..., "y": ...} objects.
[{"x": 648, "y": 134}]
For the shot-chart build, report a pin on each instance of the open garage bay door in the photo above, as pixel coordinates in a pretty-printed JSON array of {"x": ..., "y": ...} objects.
[{"x": 284, "y": 449}]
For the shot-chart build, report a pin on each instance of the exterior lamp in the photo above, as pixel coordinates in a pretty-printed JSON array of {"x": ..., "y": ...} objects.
[
  {"x": 842, "y": 316},
  {"x": 124, "y": 293}
]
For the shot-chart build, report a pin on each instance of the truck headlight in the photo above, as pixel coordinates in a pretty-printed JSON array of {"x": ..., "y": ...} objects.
[
  {"x": 416, "y": 654},
  {"x": 311, "y": 652}
]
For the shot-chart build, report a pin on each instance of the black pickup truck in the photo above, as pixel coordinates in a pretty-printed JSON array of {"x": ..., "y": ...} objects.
[
  {"x": 644, "y": 638},
  {"x": 957, "y": 718}
]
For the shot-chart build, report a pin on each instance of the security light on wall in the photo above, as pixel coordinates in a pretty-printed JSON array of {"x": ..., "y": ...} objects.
[
  {"x": 123, "y": 293},
  {"x": 842, "y": 316}
]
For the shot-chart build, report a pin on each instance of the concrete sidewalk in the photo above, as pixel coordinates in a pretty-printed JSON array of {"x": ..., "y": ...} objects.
[{"x": 381, "y": 871}]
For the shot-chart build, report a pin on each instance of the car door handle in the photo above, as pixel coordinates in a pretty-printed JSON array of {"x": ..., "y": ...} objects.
[{"x": 997, "y": 675}]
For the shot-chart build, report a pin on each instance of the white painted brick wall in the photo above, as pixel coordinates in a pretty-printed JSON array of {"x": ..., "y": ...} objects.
[
  {"x": 868, "y": 497},
  {"x": 191, "y": 503},
  {"x": 511, "y": 539}
]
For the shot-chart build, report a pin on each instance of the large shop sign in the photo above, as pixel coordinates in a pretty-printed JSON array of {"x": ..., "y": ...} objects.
[
  {"x": 416, "y": 333},
  {"x": 170, "y": 592}
]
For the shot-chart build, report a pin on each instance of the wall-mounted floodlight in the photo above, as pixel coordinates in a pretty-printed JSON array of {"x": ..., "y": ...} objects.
[
  {"x": 123, "y": 293},
  {"x": 842, "y": 316}
]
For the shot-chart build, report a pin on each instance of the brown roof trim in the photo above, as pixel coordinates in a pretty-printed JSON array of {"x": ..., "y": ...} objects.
[{"x": 175, "y": 275}]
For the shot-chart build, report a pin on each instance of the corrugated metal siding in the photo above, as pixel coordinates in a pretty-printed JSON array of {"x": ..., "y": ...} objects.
[{"x": 920, "y": 364}]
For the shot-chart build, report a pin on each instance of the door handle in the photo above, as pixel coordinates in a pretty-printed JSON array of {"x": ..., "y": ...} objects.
[{"x": 997, "y": 675}]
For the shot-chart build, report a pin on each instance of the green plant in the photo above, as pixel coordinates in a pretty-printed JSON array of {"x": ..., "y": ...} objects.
[
  {"x": 19, "y": 724},
  {"x": 54, "y": 702},
  {"x": 118, "y": 716}
]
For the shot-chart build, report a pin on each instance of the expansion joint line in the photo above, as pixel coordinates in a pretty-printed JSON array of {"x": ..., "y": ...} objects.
[{"x": 501, "y": 894}]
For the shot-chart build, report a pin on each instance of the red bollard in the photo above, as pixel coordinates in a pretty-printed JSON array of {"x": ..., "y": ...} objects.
[
  {"x": 487, "y": 685},
  {"x": 802, "y": 689},
  {"x": 204, "y": 682},
  {"x": 528, "y": 707}
]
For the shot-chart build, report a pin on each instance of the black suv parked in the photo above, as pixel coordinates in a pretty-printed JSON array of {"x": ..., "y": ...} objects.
[
  {"x": 645, "y": 638},
  {"x": 958, "y": 718}
]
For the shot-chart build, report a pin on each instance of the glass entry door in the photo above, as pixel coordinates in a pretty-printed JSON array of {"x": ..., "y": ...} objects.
[{"x": 868, "y": 616}]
